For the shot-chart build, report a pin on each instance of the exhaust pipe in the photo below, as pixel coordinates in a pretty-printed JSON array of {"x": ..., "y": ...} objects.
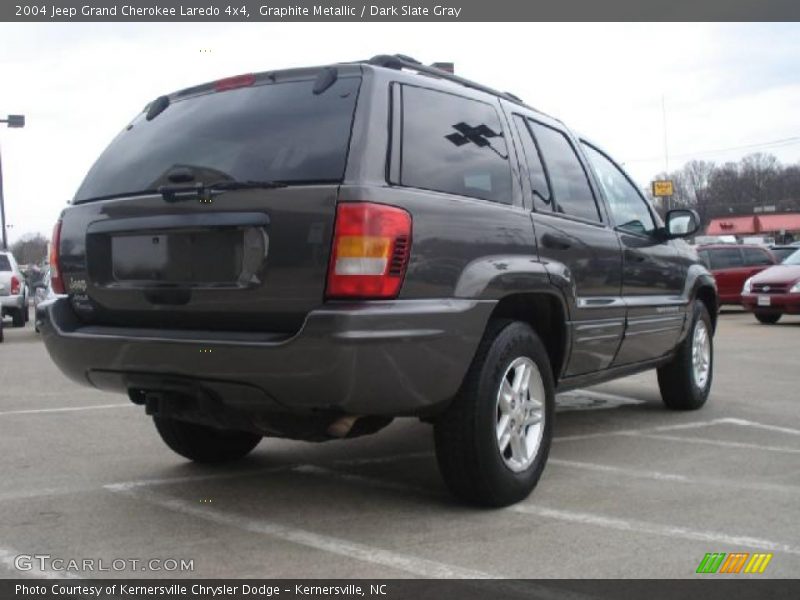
[{"x": 342, "y": 426}]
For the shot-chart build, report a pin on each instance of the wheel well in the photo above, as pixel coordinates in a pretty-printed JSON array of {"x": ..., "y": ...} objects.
[
  {"x": 545, "y": 314},
  {"x": 707, "y": 296}
]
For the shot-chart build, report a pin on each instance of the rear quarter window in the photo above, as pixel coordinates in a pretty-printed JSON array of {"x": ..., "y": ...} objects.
[
  {"x": 453, "y": 144},
  {"x": 5, "y": 264}
]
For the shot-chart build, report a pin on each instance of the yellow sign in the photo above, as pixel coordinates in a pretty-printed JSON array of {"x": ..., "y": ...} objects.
[{"x": 662, "y": 187}]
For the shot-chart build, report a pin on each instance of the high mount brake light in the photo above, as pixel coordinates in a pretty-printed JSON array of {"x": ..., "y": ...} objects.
[
  {"x": 231, "y": 83},
  {"x": 371, "y": 246},
  {"x": 56, "y": 282}
]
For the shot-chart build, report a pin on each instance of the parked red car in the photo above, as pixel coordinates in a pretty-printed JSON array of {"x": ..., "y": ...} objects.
[
  {"x": 774, "y": 291},
  {"x": 732, "y": 265}
]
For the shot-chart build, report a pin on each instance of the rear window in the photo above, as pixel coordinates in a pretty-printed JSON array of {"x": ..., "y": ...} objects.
[
  {"x": 5, "y": 264},
  {"x": 453, "y": 144},
  {"x": 725, "y": 258},
  {"x": 274, "y": 132}
]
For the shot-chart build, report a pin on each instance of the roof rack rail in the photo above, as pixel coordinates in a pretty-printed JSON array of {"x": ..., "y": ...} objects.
[{"x": 401, "y": 61}]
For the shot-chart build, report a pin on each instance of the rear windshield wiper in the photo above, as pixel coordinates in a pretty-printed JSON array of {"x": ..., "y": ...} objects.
[{"x": 176, "y": 193}]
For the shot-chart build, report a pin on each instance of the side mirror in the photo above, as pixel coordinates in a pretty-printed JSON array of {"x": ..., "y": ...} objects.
[{"x": 681, "y": 223}]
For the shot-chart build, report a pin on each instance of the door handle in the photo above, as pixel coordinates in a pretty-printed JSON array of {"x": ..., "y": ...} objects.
[
  {"x": 555, "y": 242},
  {"x": 635, "y": 256}
]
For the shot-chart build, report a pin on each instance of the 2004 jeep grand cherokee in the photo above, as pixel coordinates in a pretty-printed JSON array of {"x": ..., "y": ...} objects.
[{"x": 308, "y": 253}]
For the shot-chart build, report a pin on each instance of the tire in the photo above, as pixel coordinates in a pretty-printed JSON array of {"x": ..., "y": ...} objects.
[
  {"x": 768, "y": 318},
  {"x": 18, "y": 318},
  {"x": 677, "y": 380},
  {"x": 205, "y": 444},
  {"x": 466, "y": 435}
]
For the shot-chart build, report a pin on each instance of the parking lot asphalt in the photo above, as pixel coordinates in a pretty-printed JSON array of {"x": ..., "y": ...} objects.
[{"x": 631, "y": 489}]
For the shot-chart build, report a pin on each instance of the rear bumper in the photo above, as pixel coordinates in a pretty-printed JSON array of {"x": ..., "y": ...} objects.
[
  {"x": 778, "y": 303},
  {"x": 12, "y": 302},
  {"x": 373, "y": 358}
]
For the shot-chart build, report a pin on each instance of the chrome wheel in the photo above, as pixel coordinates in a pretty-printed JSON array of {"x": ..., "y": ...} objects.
[
  {"x": 701, "y": 354},
  {"x": 520, "y": 414}
]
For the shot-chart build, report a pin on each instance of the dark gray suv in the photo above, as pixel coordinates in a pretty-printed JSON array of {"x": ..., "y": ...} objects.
[{"x": 309, "y": 253}]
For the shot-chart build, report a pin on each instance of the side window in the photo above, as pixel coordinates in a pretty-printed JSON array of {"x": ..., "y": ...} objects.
[
  {"x": 571, "y": 192},
  {"x": 725, "y": 258},
  {"x": 628, "y": 208},
  {"x": 5, "y": 264},
  {"x": 453, "y": 144},
  {"x": 754, "y": 257},
  {"x": 539, "y": 187}
]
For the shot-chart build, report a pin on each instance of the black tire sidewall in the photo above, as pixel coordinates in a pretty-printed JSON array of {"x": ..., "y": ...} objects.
[{"x": 514, "y": 341}]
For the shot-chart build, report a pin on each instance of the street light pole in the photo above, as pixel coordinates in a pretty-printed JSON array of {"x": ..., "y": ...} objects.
[{"x": 11, "y": 121}]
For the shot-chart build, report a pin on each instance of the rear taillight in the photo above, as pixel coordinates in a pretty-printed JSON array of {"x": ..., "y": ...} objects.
[
  {"x": 55, "y": 268},
  {"x": 371, "y": 245},
  {"x": 14, "y": 285}
]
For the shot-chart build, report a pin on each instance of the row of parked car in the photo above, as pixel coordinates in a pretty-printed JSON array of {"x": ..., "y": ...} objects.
[
  {"x": 766, "y": 281},
  {"x": 17, "y": 290}
]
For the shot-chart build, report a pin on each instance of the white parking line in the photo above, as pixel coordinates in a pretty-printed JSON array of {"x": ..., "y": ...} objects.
[
  {"x": 709, "y": 442},
  {"x": 620, "y": 470},
  {"x": 124, "y": 486},
  {"x": 677, "y": 426},
  {"x": 776, "y": 428},
  {"x": 661, "y": 476},
  {"x": 8, "y": 559},
  {"x": 649, "y": 528},
  {"x": 579, "y": 400},
  {"x": 36, "y": 411},
  {"x": 370, "y": 554},
  {"x": 578, "y": 517}
]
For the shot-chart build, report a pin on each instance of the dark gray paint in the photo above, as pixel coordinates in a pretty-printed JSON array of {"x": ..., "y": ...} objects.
[{"x": 278, "y": 346}]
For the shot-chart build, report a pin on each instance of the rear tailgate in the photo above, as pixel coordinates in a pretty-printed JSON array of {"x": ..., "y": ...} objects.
[
  {"x": 5, "y": 275},
  {"x": 246, "y": 259}
]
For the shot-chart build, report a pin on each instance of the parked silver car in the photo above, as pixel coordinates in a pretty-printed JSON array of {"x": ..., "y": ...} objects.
[{"x": 13, "y": 291}]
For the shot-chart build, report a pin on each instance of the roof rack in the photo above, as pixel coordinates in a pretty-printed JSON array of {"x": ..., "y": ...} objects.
[{"x": 401, "y": 61}]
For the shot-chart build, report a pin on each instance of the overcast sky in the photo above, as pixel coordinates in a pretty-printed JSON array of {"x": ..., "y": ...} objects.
[{"x": 728, "y": 89}]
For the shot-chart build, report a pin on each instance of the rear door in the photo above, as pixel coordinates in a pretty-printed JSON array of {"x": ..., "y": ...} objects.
[
  {"x": 653, "y": 276},
  {"x": 137, "y": 254},
  {"x": 576, "y": 243}
]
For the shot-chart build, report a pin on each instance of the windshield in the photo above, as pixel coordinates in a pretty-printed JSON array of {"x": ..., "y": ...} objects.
[
  {"x": 792, "y": 259},
  {"x": 273, "y": 132}
]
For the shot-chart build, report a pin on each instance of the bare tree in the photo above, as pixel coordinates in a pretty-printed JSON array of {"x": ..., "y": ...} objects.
[{"x": 30, "y": 249}]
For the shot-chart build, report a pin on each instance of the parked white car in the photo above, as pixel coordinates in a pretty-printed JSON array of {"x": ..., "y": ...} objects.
[{"x": 13, "y": 291}]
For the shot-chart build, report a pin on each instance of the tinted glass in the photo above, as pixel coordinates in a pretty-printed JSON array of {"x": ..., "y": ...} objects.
[
  {"x": 539, "y": 187},
  {"x": 628, "y": 209},
  {"x": 756, "y": 257},
  {"x": 5, "y": 264},
  {"x": 455, "y": 145},
  {"x": 280, "y": 132},
  {"x": 571, "y": 192},
  {"x": 725, "y": 258},
  {"x": 781, "y": 253},
  {"x": 792, "y": 259}
]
